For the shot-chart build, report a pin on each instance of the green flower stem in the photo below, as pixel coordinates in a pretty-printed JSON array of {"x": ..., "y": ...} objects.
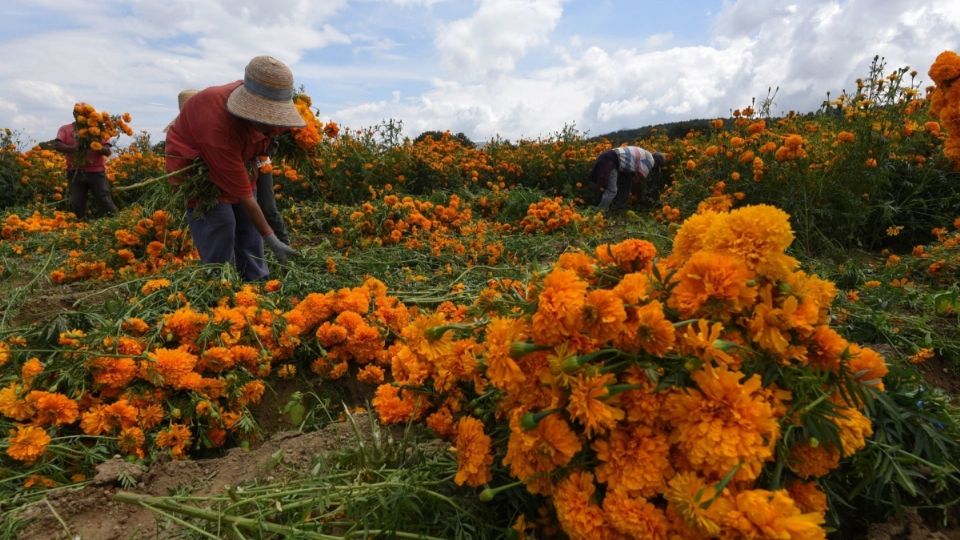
[{"x": 488, "y": 494}]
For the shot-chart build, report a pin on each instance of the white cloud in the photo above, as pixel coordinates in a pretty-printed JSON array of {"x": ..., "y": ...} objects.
[
  {"x": 505, "y": 69},
  {"x": 499, "y": 33}
]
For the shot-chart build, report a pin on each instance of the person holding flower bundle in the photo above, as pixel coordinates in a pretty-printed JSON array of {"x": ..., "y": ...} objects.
[
  {"x": 227, "y": 127},
  {"x": 617, "y": 170},
  {"x": 264, "y": 192},
  {"x": 85, "y": 173}
]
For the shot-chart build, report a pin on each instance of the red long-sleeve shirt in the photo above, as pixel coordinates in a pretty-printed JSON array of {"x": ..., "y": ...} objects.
[{"x": 205, "y": 129}]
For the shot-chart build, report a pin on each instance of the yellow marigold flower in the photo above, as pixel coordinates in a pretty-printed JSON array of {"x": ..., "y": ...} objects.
[
  {"x": 28, "y": 443},
  {"x": 579, "y": 516},
  {"x": 634, "y": 459},
  {"x": 759, "y": 235},
  {"x": 472, "y": 447},
  {"x": 154, "y": 285},
  {"x": 588, "y": 405},
  {"x": 4, "y": 353},
  {"x": 692, "y": 234},
  {"x": 635, "y": 517},
  {"x": 687, "y": 495},
  {"x": 771, "y": 514},
  {"x": 724, "y": 424},
  {"x": 712, "y": 285}
]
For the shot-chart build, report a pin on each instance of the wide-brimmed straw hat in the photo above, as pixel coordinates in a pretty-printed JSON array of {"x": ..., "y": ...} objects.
[
  {"x": 184, "y": 95},
  {"x": 266, "y": 95}
]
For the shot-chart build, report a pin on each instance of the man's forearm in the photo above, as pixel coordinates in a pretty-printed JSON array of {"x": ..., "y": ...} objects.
[{"x": 255, "y": 214}]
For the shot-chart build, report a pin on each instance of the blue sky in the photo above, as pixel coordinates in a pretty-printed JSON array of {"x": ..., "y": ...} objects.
[{"x": 513, "y": 68}]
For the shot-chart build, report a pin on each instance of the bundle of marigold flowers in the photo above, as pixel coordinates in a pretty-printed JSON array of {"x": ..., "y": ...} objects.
[
  {"x": 94, "y": 128},
  {"x": 945, "y": 101},
  {"x": 647, "y": 396}
]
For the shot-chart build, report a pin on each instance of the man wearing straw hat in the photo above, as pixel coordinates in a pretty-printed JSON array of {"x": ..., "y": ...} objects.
[
  {"x": 228, "y": 126},
  {"x": 264, "y": 192}
]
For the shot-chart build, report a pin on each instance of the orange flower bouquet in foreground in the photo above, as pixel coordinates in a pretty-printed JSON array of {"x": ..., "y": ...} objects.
[{"x": 697, "y": 395}]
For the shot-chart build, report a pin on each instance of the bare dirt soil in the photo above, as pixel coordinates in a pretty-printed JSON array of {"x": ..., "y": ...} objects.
[{"x": 91, "y": 513}]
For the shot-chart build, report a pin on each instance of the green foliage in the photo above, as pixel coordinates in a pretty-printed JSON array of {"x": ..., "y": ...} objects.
[{"x": 10, "y": 190}]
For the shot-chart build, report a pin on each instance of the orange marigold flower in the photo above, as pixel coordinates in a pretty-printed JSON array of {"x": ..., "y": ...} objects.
[
  {"x": 113, "y": 372},
  {"x": 587, "y": 403},
  {"x": 177, "y": 438},
  {"x": 579, "y": 516},
  {"x": 712, "y": 285},
  {"x": 867, "y": 366},
  {"x": 691, "y": 236},
  {"x": 687, "y": 496},
  {"x": 251, "y": 392},
  {"x": 472, "y": 447},
  {"x": 30, "y": 370},
  {"x": 28, "y": 443},
  {"x": 502, "y": 370},
  {"x": 724, "y": 424},
  {"x": 603, "y": 315},
  {"x": 921, "y": 356},
  {"x": 53, "y": 408},
  {"x": 631, "y": 255},
  {"x": 559, "y": 307},
  {"x": 371, "y": 374},
  {"x": 131, "y": 441},
  {"x": 813, "y": 459},
  {"x": 635, "y": 517},
  {"x": 395, "y": 405},
  {"x": 634, "y": 459},
  {"x": 154, "y": 285},
  {"x": 550, "y": 445},
  {"x": 808, "y": 497},
  {"x": 171, "y": 367},
  {"x": 13, "y": 406},
  {"x": 135, "y": 325},
  {"x": 771, "y": 514},
  {"x": 648, "y": 329},
  {"x": 4, "y": 353}
]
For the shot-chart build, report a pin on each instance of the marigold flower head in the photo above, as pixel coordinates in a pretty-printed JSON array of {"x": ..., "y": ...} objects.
[
  {"x": 549, "y": 445},
  {"x": 630, "y": 255},
  {"x": 53, "y": 408},
  {"x": 648, "y": 329},
  {"x": 587, "y": 403},
  {"x": 28, "y": 443},
  {"x": 725, "y": 424},
  {"x": 808, "y": 497},
  {"x": 712, "y": 285},
  {"x": 635, "y": 517},
  {"x": 177, "y": 437},
  {"x": 394, "y": 405},
  {"x": 579, "y": 516},
  {"x": 559, "y": 307},
  {"x": 13, "y": 406},
  {"x": 635, "y": 460},
  {"x": 757, "y": 234},
  {"x": 867, "y": 366},
  {"x": 472, "y": 447},
  {"x": 692, "y": 234},
  {"x": 30, "y": 370}
]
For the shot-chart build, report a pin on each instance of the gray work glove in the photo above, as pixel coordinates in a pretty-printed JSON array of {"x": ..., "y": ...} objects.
[{"x": 281, "y": 250}]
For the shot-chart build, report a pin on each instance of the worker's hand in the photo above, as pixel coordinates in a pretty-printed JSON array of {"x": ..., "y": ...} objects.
[{"x": 281, "y": 250}]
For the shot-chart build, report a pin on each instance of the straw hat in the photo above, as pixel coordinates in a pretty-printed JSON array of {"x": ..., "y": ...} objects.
[
  {"x": 266, "y": 95},
  {"x": 184, "y": 95}
]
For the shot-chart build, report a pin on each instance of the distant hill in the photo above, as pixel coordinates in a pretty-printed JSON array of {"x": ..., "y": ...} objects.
[{"x": 674, "y": 130}]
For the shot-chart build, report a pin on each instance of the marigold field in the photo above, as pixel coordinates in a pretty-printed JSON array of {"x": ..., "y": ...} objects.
[{"x": 765, "y": 345}]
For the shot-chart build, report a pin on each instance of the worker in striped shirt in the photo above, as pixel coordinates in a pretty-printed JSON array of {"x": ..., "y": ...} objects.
[{"x": 616, "y": 170}]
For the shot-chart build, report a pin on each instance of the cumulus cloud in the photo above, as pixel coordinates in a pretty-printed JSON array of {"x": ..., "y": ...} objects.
[
  {"x": 498, "y": 67},
  {"x": 496, "y": 35}
]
